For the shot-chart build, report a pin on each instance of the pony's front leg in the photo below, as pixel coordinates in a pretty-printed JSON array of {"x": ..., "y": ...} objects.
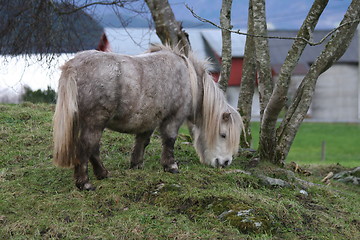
[
  {"x": 137, "y": 156},
  {"x": 167, "y": 156}
]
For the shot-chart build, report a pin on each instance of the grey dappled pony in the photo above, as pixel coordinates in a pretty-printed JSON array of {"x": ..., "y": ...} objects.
[{"x": 136, "y": 94}]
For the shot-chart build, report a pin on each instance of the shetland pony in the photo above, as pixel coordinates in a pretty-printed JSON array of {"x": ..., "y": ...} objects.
[{"x": 137, "y": 94}]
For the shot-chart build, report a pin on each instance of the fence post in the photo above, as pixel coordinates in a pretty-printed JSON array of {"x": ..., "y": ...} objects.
[{"x": 323, "y": 150}]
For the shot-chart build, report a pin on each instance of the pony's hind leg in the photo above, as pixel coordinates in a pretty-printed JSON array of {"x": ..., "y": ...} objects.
[
  {"x": 88, "y": 149},
  {"x": 137, "y": 156},
  {"x": 100, "y": 171}
]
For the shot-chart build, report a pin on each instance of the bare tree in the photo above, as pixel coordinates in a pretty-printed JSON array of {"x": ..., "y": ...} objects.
[
  {"x": 167, "y": 28},
  {"x": 247, "y": 86},
  {"x": 268, "y": 139},
  {"x": 262, "y": 54},
  {"x": 275, "y": 143},
  {"x": 225, "y": 22},
  {"x": 334, "y": 49}
]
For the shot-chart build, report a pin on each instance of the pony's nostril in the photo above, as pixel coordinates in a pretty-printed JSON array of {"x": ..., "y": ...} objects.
[
  {"x": 217, "y": 162},
  {"x": 226, "y": 163}
]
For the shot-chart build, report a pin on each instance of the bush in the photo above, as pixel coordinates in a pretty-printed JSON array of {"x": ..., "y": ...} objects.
[{"x": 39, "y": 96}]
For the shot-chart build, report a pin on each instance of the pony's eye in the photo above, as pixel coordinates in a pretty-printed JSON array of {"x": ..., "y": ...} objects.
[{"x": 223, "y": 135}]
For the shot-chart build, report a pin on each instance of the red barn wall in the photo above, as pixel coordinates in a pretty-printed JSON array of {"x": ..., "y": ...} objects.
[{"x": 235, "y": 72}]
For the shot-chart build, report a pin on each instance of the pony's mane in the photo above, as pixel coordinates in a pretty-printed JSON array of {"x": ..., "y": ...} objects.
[
  {"x": 166, "y": 47},
  {"x": 213, "y": 101},
  {"x": 214, "y": 104}
]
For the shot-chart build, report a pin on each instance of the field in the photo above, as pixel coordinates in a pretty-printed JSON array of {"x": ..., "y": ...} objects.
[
  {"x": 39, "y": 201},
  {"x": 341, "y": 143}
]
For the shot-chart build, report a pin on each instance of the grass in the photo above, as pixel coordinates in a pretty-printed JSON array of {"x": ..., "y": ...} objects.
[{"x": 39, "y": 201}]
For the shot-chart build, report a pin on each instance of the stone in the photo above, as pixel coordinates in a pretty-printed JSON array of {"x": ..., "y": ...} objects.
[
  {"x": 352, "y": 176},
  {"x": 274, "y": 182}
]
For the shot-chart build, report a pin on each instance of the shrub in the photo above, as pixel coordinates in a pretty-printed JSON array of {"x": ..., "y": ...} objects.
[{"x": 39, "y": 96}]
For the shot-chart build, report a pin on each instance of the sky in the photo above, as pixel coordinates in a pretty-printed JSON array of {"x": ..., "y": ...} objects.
[{"x": 281, "y": 14}]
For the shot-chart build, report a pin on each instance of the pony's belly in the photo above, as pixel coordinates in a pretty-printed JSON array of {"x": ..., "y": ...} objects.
[{"x": 133, "y": 124}]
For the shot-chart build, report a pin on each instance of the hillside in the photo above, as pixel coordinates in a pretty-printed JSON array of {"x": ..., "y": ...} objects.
[{"x": 40, "y": 201}]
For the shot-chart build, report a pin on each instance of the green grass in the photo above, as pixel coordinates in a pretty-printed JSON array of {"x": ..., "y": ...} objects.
[
  {"x": 341, "y": 143},
  {"x": 40, "y": 201}
]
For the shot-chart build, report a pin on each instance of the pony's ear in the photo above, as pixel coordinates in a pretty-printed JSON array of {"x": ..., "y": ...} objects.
[{"x": 226, "y": 116}]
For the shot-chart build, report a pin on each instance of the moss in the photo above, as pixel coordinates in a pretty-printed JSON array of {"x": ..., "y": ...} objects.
[
  {"x": 238, "y": 214},
  {"x": 247, "y": 219}
]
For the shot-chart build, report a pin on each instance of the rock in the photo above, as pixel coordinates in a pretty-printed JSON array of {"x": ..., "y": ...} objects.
[
  {"x": 356, "y": 172},
  {"x": 303, "y": 192},
  {"x": 274, "y": 182},
  {"x": 237, "y": 171},
  {"x": 352, "y": 176},
  {"x": 223, "y": 215},
  {"x": 350, "y": 179},
  {"x": 246, "y": 220}
]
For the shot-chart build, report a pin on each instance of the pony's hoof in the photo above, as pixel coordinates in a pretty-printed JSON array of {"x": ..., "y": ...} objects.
[
  {"x": 86, "y": 187},
  {"x": 173, "y": 168}
]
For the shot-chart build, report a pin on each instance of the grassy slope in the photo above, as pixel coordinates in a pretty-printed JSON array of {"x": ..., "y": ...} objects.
[{"x": 38, "y": 200}]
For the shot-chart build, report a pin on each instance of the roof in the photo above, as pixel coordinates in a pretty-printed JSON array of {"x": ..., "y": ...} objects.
[
  {"x": 45, "y": 27},
  {"x": 279, "y": 48}
]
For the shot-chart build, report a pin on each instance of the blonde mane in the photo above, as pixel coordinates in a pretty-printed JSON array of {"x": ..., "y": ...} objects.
[{"x": 214, "y": 104}]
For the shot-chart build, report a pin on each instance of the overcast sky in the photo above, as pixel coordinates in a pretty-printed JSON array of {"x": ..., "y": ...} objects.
[{"x": 281, "y": 14}]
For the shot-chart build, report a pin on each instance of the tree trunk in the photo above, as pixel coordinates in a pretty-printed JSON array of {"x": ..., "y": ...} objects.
[
  {"x": 262, "y": 54},
  {"x": 167, "y": 28},
  {"x": 247, "y": 86},
  {"x": 279, "y": 95},
  {"x": 334, "y": 49},
  {"x": 264, "y": 72},
  {"x": 225, "y": 22}
]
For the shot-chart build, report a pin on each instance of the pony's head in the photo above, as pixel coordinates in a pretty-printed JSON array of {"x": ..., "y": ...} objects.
[
  {"x": 217, "y": 145},
  {"x": 218, "y": 125}
]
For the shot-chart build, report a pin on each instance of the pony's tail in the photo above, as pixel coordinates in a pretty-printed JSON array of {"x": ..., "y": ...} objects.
[{"x": 65, "y": 120}]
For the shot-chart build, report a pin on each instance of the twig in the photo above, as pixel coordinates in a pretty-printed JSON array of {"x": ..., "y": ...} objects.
[
  {"x": 119, "y": 3},
  {"x": 270, "y": 37},
  {"x": 326, "y": 179}
]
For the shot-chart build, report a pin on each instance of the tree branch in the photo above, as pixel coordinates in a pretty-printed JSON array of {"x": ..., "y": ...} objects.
[
  {"x": 87, "y": 5},
  {"x": 225, "y": 21},
  {"x": 273, "y": 37},
  {"x": 247, "y": 86}
]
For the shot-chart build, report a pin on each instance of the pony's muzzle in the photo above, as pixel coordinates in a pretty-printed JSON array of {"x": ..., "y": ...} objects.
[{"x": 222, "y": 164}]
